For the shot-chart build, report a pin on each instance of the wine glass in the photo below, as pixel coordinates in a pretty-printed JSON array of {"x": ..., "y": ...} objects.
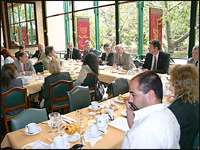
[
  {"x": 55, "y": 122},
  {"x": 79, "y": 116}
]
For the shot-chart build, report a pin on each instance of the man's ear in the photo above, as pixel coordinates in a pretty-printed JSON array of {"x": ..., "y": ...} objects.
[{"x": 150, "y": 95}]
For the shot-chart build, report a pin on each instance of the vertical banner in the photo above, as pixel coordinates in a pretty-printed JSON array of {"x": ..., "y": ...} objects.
[
  {"x": 155, "y": 25},
  {"x": 83, "y": 28},
  {"x": 24, "y": 36}
]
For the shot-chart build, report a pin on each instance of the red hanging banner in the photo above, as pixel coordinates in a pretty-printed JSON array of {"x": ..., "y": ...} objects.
[
  {"x": 24, "y": 36},
  {"x": 83, "y": 28},
  {"x": 155, "y": 25}
]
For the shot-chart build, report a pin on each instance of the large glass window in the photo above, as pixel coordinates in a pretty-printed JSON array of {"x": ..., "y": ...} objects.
[{"x": 22, "y": 24}]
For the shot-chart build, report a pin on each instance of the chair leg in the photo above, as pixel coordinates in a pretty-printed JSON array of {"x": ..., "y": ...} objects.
[{"x": 6, "y": 125}]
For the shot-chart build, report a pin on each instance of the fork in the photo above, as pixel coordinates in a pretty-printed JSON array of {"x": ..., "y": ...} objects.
[{"x": 82, "y": 142}]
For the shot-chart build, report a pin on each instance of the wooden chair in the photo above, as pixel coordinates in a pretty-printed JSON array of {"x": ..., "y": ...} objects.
[
  {"x": 90, "y": 81},
  {"x": 13, "y": 99},
  {"x": 79, "y": 97},
  {"x": 119, "y": 86},
  {"x": 58, "y": 94}
]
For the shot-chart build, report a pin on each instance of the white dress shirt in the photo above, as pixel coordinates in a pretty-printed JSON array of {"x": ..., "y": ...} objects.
[
  {"x": 155, "y": 127},
  {"x": 22, "y": 65}
]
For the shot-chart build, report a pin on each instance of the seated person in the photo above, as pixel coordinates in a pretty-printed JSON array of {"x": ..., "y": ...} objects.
[
  {"x": 90, "y": 65},
  {"x": 72, "y": 52},
  {"x": 122, "y": 58},
  {"x": 107, "y": 56},
  {"x": 160, "y": 58},
  {"x": 38, "y": 53},
  {"x": 88, "y": 49},
  {"x": 184, "y": 86},
  {"x": 56, "y": 75},
  {"x": 21, "y": 49},
  {"x": 195, "y": 56},
  {"x": 9, "y": 80},
  {"x": 8, "y": 57},
  {"x": 49, "y": 55},
  {"x": 24, "y": 65}
]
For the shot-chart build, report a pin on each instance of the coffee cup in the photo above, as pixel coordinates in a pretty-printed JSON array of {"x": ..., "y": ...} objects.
[
  {"x": 94, "y": 105},
  {"x": 58, "y": 142},
  {"x": 32, "y": 128},
  {"x": 93, "y": 130},
  {"x": 101, "y": 121}
]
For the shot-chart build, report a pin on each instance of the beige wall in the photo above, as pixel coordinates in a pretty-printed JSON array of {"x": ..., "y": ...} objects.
[{"x": 39, "y": 28}]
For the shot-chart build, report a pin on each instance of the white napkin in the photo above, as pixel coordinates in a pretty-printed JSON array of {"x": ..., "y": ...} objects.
[
  {"x": 38, "y": 145},
  {"x": 92, "y": 141},
  {"x": 70, "y": 120},
  {"x": 120, "y": 123}
]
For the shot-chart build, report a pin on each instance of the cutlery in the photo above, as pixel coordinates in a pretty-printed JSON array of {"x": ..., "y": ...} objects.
[
  {"x": 111, "y": 117},
  {"x": 82, "y": 142},
  {"x": 102, "y": 131},
  {"x": 77, "y": 146}
]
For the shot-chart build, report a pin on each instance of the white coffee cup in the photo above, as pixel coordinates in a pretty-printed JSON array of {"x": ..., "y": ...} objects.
[
  {"x": 101, "y": 121},
  {"x": 94, "y": 105},
  {"x": 32, "y": 128},
  {"x": 58, "y": 142},
  {"x": 93, "y": 130}
]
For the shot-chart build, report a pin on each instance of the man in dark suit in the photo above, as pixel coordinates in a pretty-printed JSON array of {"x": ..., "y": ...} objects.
[
  {"x": 72, "y": 52},
  {"x": 107, "y": 56},
  {"x": 195, "y": 56},
  {"x": 156, "y": 60},
  {"x": 21, "y": 49},
  {"x": 88, "y": 49},
  {"x": 39, "y": 52}
]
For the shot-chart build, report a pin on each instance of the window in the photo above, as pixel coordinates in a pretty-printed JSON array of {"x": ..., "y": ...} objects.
[{"x": 22, "y": 24}]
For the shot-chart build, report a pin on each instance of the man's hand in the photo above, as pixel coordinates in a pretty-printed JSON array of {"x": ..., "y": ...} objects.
[{"x": 145, "y": 70}]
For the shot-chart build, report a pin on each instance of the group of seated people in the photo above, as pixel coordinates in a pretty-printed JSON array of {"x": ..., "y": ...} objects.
[{"x": 181, "y": 117}]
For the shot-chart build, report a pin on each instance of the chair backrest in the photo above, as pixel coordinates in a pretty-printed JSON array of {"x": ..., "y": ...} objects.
[
  {"x": 196, "y": 141},
  {"x": 79, "y": 97},
  {"x": 58, "y": 92},
  {"x": 27, "y": 116},
  {"x": 119, "y": 86},
  {"x": 137, "y": 63},
  {"x": 13, "y": 99},
  {"x": 90, "y": 81},
  {"x": 39, "y": 67}
]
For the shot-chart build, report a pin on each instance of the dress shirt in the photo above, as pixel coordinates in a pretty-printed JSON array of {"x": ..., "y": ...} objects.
[
  {"x": 154, "y": 127},
  {"x": 153, "y": 61},
  {"x": 22, "y": 65},
  {"x": 50, "y": 57}
]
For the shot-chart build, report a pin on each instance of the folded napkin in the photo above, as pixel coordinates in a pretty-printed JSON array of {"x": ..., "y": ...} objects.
[
  {"x": 38, "y": 145},
  {"x": 68, "y": 119},
  {"x": 92, "y": 141},
  {"x": 120, "y": 123}
]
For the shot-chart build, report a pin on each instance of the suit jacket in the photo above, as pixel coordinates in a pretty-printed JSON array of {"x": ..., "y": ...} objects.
[
  {"x": 75, "y": 55},
  {"x": 13, "y": 83},
  {"x": 29, "y": 67},
  {"x": 191, "y": 61},
  {"x": 17, "y": 53},
  {"x": 127, "y": 61},
  {"x": 46, "y": 60},
  {"x": 52, "y": 79},
  {"x": 162, "y": 63},
  {"x": 110, "y": 58},
  {"x": 85, "y": 52},
  {"x": 36, "y": 54}
]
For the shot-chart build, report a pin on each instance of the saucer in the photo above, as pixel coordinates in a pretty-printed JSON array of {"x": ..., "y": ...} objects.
[
  {"x": 122, "y": 72},
  {"x": 103, "y": 128},
  {"x": 39, "y": 129},
  {"x": 87, "y": 132},
  {"x": 124, "y": 113},
  {"x": 90, "y": 107},
  {"x": 66, "y": 145},
  {"x": 71, "y": 138},
  {"x": 114, "y": 71},
  {"x": 117, "y": 100}
]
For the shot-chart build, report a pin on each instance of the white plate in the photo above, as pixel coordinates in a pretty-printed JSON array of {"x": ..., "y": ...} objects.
[
  {"x": 87, "y": 132},
  {"x": 76, "y": 137},
  {"x": 66, "y": 145},
  {"x": 42, "y": 145},
  {"x": 116, "y": 107},
  {"x": 124, "y": 113},
  {"x": 39, "y": 129},
  {"x": 114, "y": 71},
  {"x": 103, "y": 128},
  {"x": 122, "y": 72},
  {"x": 117, "y": 100},
  {"x": 72, "y": 73},
  {"x": 90, "y": 107}
]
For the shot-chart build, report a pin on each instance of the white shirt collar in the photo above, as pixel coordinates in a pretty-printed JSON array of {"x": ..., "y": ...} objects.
[{"x": 50, "y": 57}]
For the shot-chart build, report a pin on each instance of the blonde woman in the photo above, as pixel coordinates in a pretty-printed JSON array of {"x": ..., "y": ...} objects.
[
  {"x": 184, "y": 85},
  {"x": 56, "y": 75}
]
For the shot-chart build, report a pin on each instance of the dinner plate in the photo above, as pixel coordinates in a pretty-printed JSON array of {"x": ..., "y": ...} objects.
[
  {"x": 66, "y": 145},
  {"x": 75, "y": 136},
  {"x": 119, "y": 101},
  {"x": 122, "y": 72},
  {"x": 39, "y": 129},
  {"x": 116, "y": 107},
  {"x": 87, "y": 133},
  {"x": 114, "y": 71},
  {"x": 124, "y": 113},
  {"x": 90, "y": 107}
]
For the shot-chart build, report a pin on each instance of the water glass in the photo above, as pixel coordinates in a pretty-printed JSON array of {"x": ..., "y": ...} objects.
[{"x": 91, "y": 117}]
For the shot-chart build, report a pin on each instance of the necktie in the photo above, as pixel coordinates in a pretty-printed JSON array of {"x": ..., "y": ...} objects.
[
  {"x": 120, "y": 60},
  {"x": 25, "y": 68},
  {"x": 106, "y": 58},
  {"x": 196, "y": 63},
  {"x": 154, "y": 65},
  {"x": 39, "y": 55}
]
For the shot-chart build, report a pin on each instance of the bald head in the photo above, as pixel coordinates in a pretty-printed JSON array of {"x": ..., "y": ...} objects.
[
  {"x": 41, "y": 47},
  {"x": 119, "y": 49}
]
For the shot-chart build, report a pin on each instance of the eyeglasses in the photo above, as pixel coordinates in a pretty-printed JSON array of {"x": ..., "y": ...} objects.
[{"x": 195, "y": 53}]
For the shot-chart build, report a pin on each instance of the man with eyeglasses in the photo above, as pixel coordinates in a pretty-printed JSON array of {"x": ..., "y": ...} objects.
[
  {"x": 195, "y": 56},
  {"x": 107, "y": 56},
  {"x": 156, "y": 59}
]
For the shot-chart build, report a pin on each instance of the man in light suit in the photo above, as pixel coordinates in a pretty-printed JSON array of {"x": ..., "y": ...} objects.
[
  {"x": 160, "y": 58},
  {"x": 24, "y": 65},
  {"x": 107, "y": 56},
  {"x": 195, "y": 56},
  {"x": 49, "y": 55},
  {"x": 122, "y": 58},
  {"x": 88, "y": 49},
  {"x": 72, "y": 52}
]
